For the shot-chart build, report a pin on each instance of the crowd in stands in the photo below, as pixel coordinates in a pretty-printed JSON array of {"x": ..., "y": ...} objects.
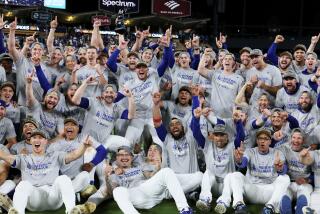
[{"x": 152, "y": 120}]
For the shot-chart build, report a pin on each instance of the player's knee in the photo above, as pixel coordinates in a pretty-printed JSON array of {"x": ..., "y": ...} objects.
[
  {"x": 119, "y": 192},
  {"x": 24, "y": 186},
  {"x": 236, "y": 175},
  {"x": 284, "y": 179},
  {"x": 63, "y": 179},
  {"x": 199, "y": 175}
]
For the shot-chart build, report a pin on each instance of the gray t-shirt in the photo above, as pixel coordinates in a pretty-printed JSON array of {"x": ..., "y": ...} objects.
[
  {"x": 3, "y": 77},
  {"x": 295, "y": 168},
  {"x": 220, "y": 161},
  {"x": 93, "y": 89},
  {"x": 181, "y": 77},
  {"x": 270, "y": 75},
  {"x": 182, "y": 153},
  {"x": 13, "y": 113},
  {"x": 24, "y": 68},
  {"x": 100, "y": 119},
  {"x": 225, "y": 88},
  {"x": 260, "y": 169},
  {"x": 6, "y": 130},
  {"x": 18, "y": 147},
  {"x": 40, "y": 170},
  {"x": 73, "y": 168},
  {"x": 142, "y": 93},
  {"x": 51, "y": 121},
  {"x": 289, "y": 102}
]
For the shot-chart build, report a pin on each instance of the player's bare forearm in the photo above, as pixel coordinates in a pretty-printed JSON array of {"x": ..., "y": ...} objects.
[
  {"x": 75, "y": 154},
  {"x": 308, "y": 160},
  {"x": 7, "y": 157},
  {"x": 271, "y": 89}
]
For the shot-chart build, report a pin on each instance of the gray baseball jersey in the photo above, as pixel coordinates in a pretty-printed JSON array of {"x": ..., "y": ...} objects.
[
  {"x": 6, "y": 130},
  {"x": 40, "y": 170}
]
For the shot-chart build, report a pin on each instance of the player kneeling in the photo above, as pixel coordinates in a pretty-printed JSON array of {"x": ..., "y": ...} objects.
[
  {"x": 41, "y": 187},
  {"x": 265, "y": 181}
]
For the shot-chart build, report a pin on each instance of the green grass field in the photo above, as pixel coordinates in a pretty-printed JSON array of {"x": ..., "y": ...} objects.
[{"x": 166, "y": 207}]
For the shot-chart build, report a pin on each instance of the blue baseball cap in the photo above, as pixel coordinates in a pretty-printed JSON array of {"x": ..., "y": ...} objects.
[{"x": 3, "y": 103}]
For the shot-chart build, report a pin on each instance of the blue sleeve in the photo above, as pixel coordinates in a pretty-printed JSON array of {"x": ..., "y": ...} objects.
[
  {"x": 164, "y": 62},
  {"x": 2, "y": 48},
  {"x": 84, "y": 103},
  {"x": 272, "y": 54},
  {"x": 244, "y": 163},
  {"x": 105, "y": 50},
  {"x": 100, "y": 155},
  {"x": 112, "y": 61},
  {"x": 293, "y": 122},
  {"x": 189, "y": 50},
  {"x": 311, "y": 177},
  {"x": 195, "y": 62},
  {"x": 154, "y": 46},
  {"x": 220, "y": 121},
  {"x": 240, "y": 134},
  {"x": 195, "y": 103},
  {"x": 318, "y": 100},
  {"x": 44, "y": 83},
  {"x": 161, "y": 132},
  {"x": 171, "y": 57},
  {"x": 119, "y": 97},
  {"x": 225, "y": 46},
  {"x": 124, "y": 114},
  {"x": 313, "y": 85},
  {"x": 284, "y": 170},
  {"x": 254, "y": 123},
  {"x": 195, "y": 127}
]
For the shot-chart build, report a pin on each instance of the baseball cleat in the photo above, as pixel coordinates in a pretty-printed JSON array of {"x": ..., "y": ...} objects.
[
  {"x": 268, "y": 209},
  {"x": 13, "y": 211},
  {"x": 86, "y": 208},
  {"x": 308, "y": 210},
  {"x": 186, "y": 211},
  {"x": 241, "y": 209},
  {"x": 88, "y": 191},
  {"x": 220, "y": 208},
  {"x": 203, "y": 205},
  {"x": 5, "y": 202}
]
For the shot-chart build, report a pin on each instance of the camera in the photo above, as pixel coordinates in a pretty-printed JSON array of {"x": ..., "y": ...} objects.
[{"x": 120, "y": 27}]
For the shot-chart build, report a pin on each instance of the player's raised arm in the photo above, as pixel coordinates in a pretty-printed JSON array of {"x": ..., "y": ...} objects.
[
  {"x": 78, "y": 152},
  {"x": 12, "y": 41},
  {"x": 50, "y": 39},
  {"x": 7, "y": 157}
]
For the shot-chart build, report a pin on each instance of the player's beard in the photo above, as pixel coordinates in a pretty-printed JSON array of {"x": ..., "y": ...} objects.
[{"x": 179, "y": 136}]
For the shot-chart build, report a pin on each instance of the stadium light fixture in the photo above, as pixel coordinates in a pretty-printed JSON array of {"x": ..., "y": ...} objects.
[
  {"x": 70, "y": 18},
  {"x": 127, "y": 22},
  {"x": 9, "y": 14}
]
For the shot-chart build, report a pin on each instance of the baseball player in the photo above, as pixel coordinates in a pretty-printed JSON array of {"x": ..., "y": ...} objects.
[
  {"x": 219, "y": 160},
  {"x": 102, "y": 114},
  {"x": 300, "y": 174},
  {"x": 24, "y": 146},
  {"x": 6, "y": 126},
  {"x": 179, "y": 143},
  {"x": 225, "y": 86},
  {"x": 41, "y": 187},
  {"x": 6, "y": 186},
  {"x": 44, "y": 113},
  {"x": 265, "y": 175},
  {"x": 7, "y": 90},
  {"x": 78, "y": 170},
  {"x": 138, "y": 187},
  {"x": 312, "y": 158}
]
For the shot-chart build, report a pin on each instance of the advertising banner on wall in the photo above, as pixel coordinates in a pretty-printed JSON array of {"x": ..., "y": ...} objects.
[
  {"x": 105, "y": 20},
  {"x": 129, "y": 6},
  {"x": 171, "y": 8}
]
